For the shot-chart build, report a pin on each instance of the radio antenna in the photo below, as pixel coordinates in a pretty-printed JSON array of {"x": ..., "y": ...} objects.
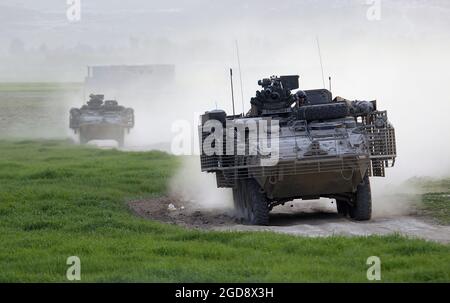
[
  {"x": 321, "y": 63},
  {"x": 240, "y": 77},
  {"x": 232, "y": 90},
  {"x": 329, "y": 79}
]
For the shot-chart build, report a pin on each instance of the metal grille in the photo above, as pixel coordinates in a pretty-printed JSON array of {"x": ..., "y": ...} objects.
[
  {"x": 226, "y": 176},
  {"x": 301, "y": 167},
  {"x": 381, "y": 139},
  {"x": 207, "y": 162},
  {"x": 381, "y": 144}
]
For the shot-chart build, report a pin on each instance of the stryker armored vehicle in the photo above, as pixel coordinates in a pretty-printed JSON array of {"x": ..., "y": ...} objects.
[
  {"x": 101, "y": 120},
  {"x": 320, "y": 146}
]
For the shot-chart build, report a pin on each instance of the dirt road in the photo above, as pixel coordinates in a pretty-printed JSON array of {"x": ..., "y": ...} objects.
[{"x": 313, "y": 219}]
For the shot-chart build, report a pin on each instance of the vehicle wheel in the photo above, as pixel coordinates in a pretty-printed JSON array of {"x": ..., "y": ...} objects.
[
  {"x": 238, "y": 201},
  {"x": 256, "y": 201},
  {"x": 83, "y": 138},
  {"x": 120, "y": 140},
  {"x": 362, "y": 208},
  {"x": 342, "y": 207},
  {"x": 120, "y": 137}
]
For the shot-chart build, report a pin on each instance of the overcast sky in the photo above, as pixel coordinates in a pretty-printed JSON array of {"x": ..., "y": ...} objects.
[{"x": 113, "y": 22}]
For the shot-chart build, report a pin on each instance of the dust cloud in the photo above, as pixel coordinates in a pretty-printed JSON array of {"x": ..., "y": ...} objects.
[
  {"x": 394, "y": 199},
  {"x": 198, "y": 189}
]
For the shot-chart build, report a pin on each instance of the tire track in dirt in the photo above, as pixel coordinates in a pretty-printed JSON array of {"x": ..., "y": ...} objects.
[{"x": 312, "y": 219}]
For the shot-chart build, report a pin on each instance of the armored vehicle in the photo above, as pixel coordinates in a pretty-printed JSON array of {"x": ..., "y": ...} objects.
[
  {"x": 101, "y": 120},
  {"x": 320, "y": 146}
]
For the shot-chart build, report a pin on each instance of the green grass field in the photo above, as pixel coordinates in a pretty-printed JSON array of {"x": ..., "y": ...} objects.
[
  {"x": 37, "y": 110},
  {"x": 39, "y": 86},
  {"x": 435, "y": 200},
  {"x": 58, "y": 200}
]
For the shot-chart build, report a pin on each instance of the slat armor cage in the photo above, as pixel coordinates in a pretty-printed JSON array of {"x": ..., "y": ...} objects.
[
  {"x": 382, "y": 144},
  {"x": 229, "y": 168}
]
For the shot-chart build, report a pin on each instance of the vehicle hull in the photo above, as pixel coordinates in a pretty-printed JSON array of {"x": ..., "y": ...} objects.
[{"x": 304, "y": 179}]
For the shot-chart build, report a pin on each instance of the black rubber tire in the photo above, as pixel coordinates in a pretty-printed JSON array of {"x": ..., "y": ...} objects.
[
  {"x": 342, "y": 207},
  {"x": 257, "y": 204},
  {"x": 250, "y": 203},
  {"x": 120, "y": 136},
  {"x": 361, "y": 210},
  {"x": 120, "y": 140},
  {"x": 238, "y": 201},
  {"x": 323, "y": 111}
]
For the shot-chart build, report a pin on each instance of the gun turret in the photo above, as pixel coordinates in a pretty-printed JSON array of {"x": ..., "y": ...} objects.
[
  {"x": 275, "y": 96},
  {"x": 95, "y": 101}
]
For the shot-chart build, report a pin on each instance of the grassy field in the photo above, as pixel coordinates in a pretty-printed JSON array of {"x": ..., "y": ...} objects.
[
  {"x": 435, "y": 200},
  {"x": 58, "y": 200},
  {"x": 38, "y": 86},
  {"x": 437, "y": 206},
  {"x": 37, "y": 110}
]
